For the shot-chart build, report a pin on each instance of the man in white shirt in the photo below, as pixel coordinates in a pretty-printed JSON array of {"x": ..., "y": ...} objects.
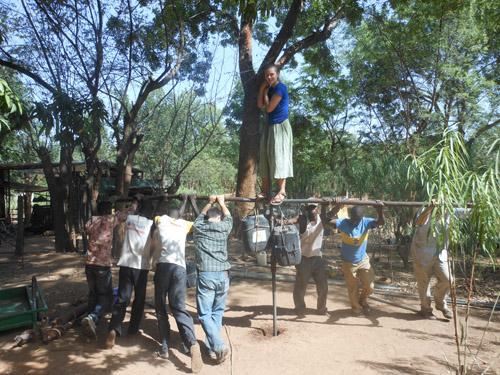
[
  {"x": 134, "y": 266},
  {"x": 429, "y": 260},
  {"x": 169, "y": 258},
  {"x": 312, "y": 263}
]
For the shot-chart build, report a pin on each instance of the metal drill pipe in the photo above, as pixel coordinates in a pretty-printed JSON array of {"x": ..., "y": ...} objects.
[{"x": 326, "y": 200}]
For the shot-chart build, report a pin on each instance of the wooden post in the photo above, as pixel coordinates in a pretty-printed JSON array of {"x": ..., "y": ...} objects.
[
  {"x": 269, "y": 213},
  {"x": 9, "y": 219},
  {"x": 3, "y": 213},
  {"x": 20, "y": 226},
  {"x": 27, "y": 207}
]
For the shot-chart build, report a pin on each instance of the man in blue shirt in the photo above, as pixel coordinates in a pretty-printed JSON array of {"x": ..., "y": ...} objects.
[{"x": 355, "y": 261}]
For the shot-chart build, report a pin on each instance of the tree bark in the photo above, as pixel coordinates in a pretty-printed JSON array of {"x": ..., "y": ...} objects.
[
  {"x": 20, "y": 226},
  {"x": 249, "y": 131},
  {"x": 249, "y": 146},
  {"x": 57, "y": 200},
  {"x": 3, "y": 209},
  {"x": 27, "y": 207}
]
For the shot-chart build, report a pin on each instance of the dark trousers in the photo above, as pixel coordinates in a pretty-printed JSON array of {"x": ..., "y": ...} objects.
[
  {"x": 100, "y": 290},
  {"x": 314, "y": 267},
  {"x": 170, "y": 281},
  {"x": 129, "y": 279}
]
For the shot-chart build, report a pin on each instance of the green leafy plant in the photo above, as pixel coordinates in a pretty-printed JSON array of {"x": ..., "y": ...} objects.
[
  {"x": 450, "y": 178},
  {"x": 10, "y": 105}
]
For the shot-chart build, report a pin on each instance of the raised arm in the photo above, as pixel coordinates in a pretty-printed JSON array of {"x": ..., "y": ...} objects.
[
  {"x": 422, "y": 218},
  {"x": 222, "y": 203},
  {"x": 299, "y": 219},
  {"x": 379, "y": 206},
  {"x": 262, "y": 99},
  {"x": 211, "y": 200},
  {"x": 330, "y": 219}
]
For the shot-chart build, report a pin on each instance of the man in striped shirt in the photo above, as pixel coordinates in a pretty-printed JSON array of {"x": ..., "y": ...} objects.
[{"x": 211, "y": 232}]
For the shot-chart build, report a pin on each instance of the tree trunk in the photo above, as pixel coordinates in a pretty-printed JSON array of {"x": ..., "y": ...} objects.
[
  {"x": 249, "y": 147},
  {"x": 57, "y": 198},
  {"x": 3, "y": 208},
  {"x": 92, "y": 182},
  {"x": 66, "y": 185},
  {"x": 27, "y": 207},
  {"x": 124, "y": 166},
  {"x": 20, "y": 226}
]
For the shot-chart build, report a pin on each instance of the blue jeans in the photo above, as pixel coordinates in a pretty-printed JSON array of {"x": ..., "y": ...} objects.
[{"x": 211, "y": 294}]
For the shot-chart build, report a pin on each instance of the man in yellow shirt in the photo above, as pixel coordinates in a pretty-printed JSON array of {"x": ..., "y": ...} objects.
[{"x": 169, "y": 257}]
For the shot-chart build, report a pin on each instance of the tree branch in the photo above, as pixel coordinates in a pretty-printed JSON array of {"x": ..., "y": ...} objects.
[
  {"x": 311, "y": 39},
  {"x": 481, "y": 130},
  {"x": 284, "y": 34},
  {"x": 25, "y": 71}
]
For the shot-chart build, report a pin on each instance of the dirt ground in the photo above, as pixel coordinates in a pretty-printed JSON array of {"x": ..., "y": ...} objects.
[{"x": 390, "y": 340}]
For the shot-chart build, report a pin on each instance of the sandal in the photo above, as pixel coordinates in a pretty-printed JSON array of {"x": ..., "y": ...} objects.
[
  {"x": 261, "y": 196},
  {"x": 276, "y": 201}
]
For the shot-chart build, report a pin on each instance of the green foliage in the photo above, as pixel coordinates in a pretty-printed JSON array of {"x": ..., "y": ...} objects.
[
  {"x": 154, "y": 34},
  {"x": 260, "y": 12},
  {"x": 423, "y": 66},
  {"x": 10, "y": 105},
  {"x": 176, "y": 131},
  {"x": 213, "y": 172},
  {"x": 446, "y": 174},
  {"x": 311, "y": 156}
]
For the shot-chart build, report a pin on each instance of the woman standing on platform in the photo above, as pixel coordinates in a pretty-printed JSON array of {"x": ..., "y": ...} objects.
[{"x": 276, "y": 143}]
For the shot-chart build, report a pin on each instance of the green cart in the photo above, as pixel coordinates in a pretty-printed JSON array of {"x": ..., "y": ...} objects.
[{"x": 21, "y": 306}]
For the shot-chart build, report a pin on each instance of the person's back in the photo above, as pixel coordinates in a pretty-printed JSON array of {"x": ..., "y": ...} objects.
[
  {"x": 211, "y": 243},
  {"x": 424, "y": 242},
  {"x": 135, "y": 252},
  {"x": 99, "y": 230},
  {"x": 169, "y": 238},
  {"x": 171, "y": 235},
  {"x": 211, "y": 232}
]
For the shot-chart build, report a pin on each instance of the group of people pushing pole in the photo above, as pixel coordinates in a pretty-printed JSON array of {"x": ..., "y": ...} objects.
[
  {"x": 158, "y": 242},
  {"x": 156, "y": 239},
  {"x": 429, "y": 259}
]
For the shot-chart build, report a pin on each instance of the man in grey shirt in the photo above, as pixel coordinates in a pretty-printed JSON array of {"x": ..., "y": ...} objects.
[{"x": 430, "y": 258}]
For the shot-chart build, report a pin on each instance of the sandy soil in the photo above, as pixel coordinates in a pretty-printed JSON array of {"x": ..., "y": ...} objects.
[{"x": 391, "y": 340}]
